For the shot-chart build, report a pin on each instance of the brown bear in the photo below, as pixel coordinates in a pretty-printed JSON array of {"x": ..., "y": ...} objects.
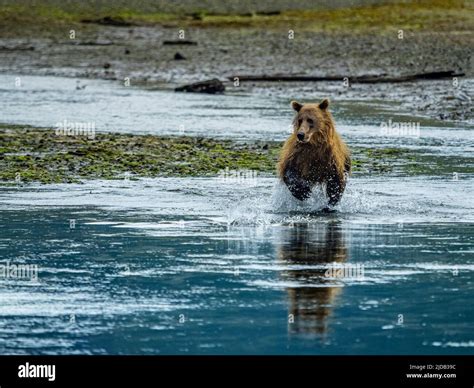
[{"x": 314, "y": 154}]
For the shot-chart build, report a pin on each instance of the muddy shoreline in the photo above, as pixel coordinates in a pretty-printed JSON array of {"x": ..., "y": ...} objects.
[{"x": 437, "y": 36}]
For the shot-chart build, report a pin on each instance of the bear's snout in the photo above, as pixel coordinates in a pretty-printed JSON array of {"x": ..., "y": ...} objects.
[{"x": 300, "y": 136}]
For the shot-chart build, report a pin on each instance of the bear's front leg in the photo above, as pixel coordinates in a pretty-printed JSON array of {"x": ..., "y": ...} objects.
[
  {"x": 335, "y": 186},
  {"x": 299, "y": 187}
]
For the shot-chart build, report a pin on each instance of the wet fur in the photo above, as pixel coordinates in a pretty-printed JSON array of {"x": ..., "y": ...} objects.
[{"x": 323, "y": 159}]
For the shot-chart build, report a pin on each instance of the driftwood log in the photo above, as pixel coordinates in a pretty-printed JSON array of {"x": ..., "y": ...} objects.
[
  {"x": 109, "y": 21},
  {"x": 212, "y": 86},
  {"x": 367, "y": 79},
  {"x": 17, "y": 48},
  {"x": 179, "y": 42}
]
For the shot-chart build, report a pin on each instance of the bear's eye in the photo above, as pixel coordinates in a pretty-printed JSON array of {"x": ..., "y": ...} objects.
[
  {"x": 299, "y": 122},
  {"x": 310, "y": 122}
]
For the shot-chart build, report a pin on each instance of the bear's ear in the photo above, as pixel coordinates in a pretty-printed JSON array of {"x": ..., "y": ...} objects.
[
  {"x": 324, "y": 104},
  {"x": 296, "y": 106}
]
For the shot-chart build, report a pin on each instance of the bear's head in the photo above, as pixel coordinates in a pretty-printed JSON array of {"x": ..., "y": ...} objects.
[{"x": 313, "y": 123}]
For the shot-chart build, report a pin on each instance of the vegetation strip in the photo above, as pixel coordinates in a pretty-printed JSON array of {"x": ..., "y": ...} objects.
[{"x": 39, "y": 155}]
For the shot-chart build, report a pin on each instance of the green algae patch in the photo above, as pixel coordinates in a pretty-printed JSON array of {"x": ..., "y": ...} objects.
[
  {"x": 31, "y": 154},
  {"x": 40, "y": 155}
]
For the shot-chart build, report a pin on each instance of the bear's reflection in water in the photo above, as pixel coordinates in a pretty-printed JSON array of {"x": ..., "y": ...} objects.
[{"x": 307, "y": 249}]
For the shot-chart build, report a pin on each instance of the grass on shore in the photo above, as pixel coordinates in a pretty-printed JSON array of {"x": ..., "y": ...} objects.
[{"x": 414, "y": 15}]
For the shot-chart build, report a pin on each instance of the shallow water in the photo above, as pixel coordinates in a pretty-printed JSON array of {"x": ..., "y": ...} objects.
[
  {"x": 243, "y": 116},
  {"x": 228, "y": 266},
  {"x": 202, "y": 266}
]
